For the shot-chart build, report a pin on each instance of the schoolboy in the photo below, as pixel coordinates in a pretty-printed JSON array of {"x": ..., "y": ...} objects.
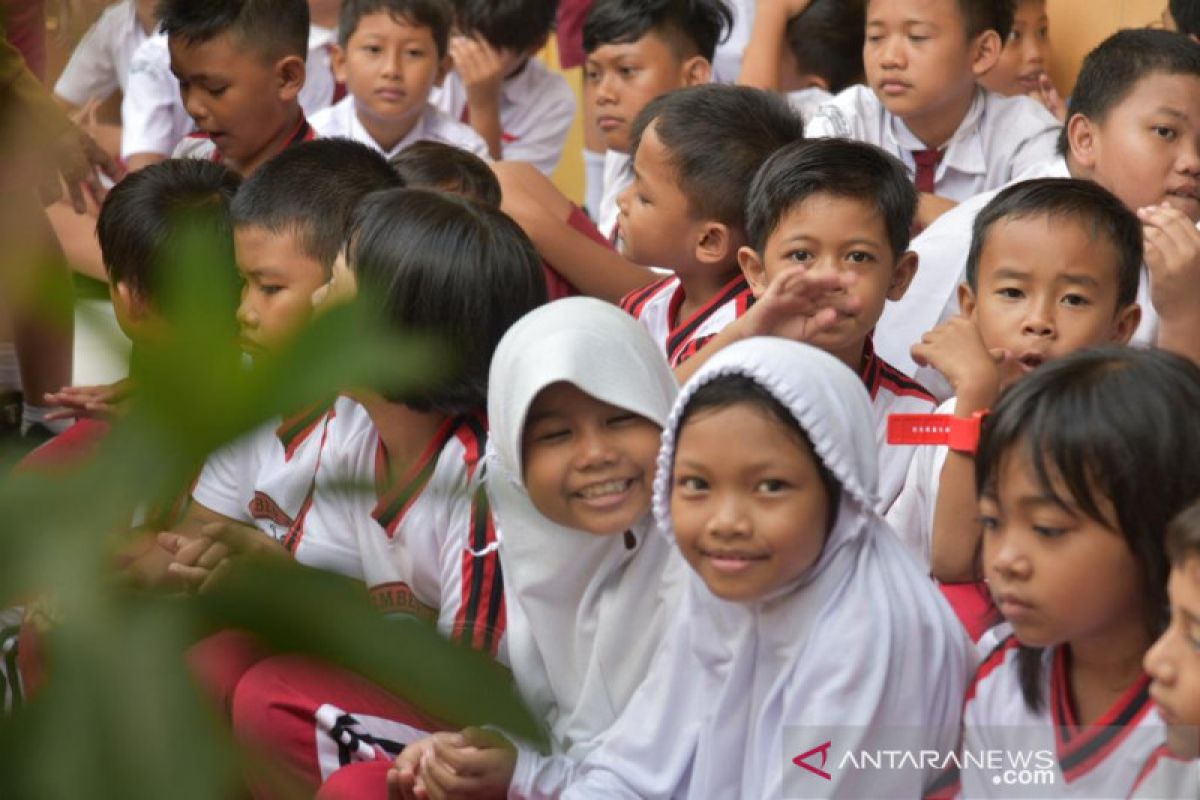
[
  {"x": 1134, "y": 128},
  {"x": 521, "y": 109},
  {"x": 841, "y": 212},
  {"x": 434, "y": 165},
  {"x": 240, "y": 66},
  {"x": 1183, "y": 16},
  {"x": 1053, "y": 268},
  {"x": 1173, "y": 664},
  {"x": 390, "y": 54},
  {"x": 922, "y": 103},
  {"x": 637, "y": 50},
  {"x": 694, "y": 154},
  {"x": 1021, "y": 68}
]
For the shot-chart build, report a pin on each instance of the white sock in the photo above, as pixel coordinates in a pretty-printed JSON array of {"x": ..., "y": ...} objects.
[
  {"x": 593, "y": 166},
  {"x": 36, "y": 415}
]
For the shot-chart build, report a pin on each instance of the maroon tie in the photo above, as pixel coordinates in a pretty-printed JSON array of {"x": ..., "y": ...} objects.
[{"x": 927, "y": 164}]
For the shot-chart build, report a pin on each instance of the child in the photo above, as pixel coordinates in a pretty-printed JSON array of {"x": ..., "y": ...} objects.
[
  {"x": 240, "y": 68},
  {"x": 579, "y": 395},
  {"x": 1133, "y": 128},
  {"x": 435, "y": 165},
  {"x": 390, "y": 54},
  {"x": 801, "y": 620},
  {"x": 521, "y": 109},
  {"x": 423, "y": 533},
  {"x": 1183, "y": 16},
  {"x": 1075, "y": 496},
  {"x": 811, "y": 50},
  {"x": 694, "y": 154},
  {"x": 1053, "y": 268},
  {"x": 1021, "y": 68},
  {"x": 923, "y": 105},
  {"x": 1173, "y": 664}
]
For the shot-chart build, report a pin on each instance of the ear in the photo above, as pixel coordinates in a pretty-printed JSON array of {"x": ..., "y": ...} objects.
[
  {"x": 290, "y": 73},
  {"x": 715, "y": 245},
  {"x": 985, "y": 52},
  {"x": 966, "y": 301},
  {"x": 753, "y": 270},
  {"x": 1082, "y": 142},
  {"x": 696, "y": 71},
  {"x": 902, "y": 275},
  {"x": 337, "y": 60},
  {"x": 1126, "y": 323},
  {"x": 133, "y": 313}
]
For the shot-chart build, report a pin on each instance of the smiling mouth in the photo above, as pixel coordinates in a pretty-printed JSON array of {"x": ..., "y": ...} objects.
[{"x": 606, "y": 490}]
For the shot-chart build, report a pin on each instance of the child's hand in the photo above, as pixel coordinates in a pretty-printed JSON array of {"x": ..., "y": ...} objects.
[
  {"x": 473, "y": 765},
  {"x": 200, "y": 560},
  {"x": 480, "y": 67},
  {"x": 404, "y": 778},
  {"x": 1173, "y": 258},
  {"x": 956, "y": 350},
  {"x": 95, "y": 402},
  {"x": 1047, "y": 94},
  {"x": 798, "y": 305}
]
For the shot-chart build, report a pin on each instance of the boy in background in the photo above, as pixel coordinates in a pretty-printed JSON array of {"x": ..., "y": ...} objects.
[
  {"x": 1021, "y": 68},
  {"x": 390, "y": 54},
  {"x": 499, "y": 87}
]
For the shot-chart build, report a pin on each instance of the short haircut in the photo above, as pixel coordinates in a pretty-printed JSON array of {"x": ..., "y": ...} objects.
[
  {"x": 276, "y": 28},
  {"x": 311, "y": 190},
  {"x": 1085, "y": 202},
  {"x": 151, "y": 211},
  {"x": 1183, "y": 535},
  {"x": 1186, "y": 14},
  {"x": 827, "y": 40},
  {"x": 435, "y": 264},
  {"x": 1111, "y": 72},
  {"x": 1105, "y": 427},
  {"x": 980, "y": 16},
  {"x": 837, "y": 167},
  {"x": 717, "y": 137},
  {"x": 432, "y": 14},
  {"x": 518, "y": 25},
  {"x": 435, "y": 165},
  {"x": 690, "y": 27}
]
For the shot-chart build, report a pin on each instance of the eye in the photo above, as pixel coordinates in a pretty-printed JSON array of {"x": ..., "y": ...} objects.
[
  {"x": 875, "y": 38},
  {"x": 591, "y": 75},
  {"x": 798, "y": 256},
  {"x": 1010, "y": 293},
  {"x": 622, "y": 419},
  {"x": 270, "y": 289},
  {"x": 1077, "y": 300},
  {"x": 218, "y": 92},
  {"x": 1193, "y": 635},
  {"x": 415, "y": 52},
  {"x": 551, "y": 435},
  {"x": 916, "y": 39},
  {"x": 988, "y": 523},
  {"x": 1049, "y": 531},
  {"x": 373, "y": 49},
  {"x": 691, "y": 484},
  {"x": 1166, "y": 133},
  {"x": 771, "y": 485},
  {"x": 628, "y": 72},
  {"x": 860, "y": 257}
]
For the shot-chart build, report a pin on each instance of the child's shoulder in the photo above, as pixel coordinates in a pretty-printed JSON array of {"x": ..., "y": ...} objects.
[
  {"x": 1015, "y": 117},
  {"x": 334, "y": 120}
]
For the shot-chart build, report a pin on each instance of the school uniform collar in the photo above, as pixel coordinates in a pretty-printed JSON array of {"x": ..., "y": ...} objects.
[
  {"x": 963, "y": 153},
  {"x": 419, "y": 132}
]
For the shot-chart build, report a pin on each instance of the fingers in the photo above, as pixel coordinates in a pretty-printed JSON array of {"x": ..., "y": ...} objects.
[{"x": 192, "y": 576}]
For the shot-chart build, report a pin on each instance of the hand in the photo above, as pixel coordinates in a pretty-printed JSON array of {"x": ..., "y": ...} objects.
[
  {"x": 405, "y": 774},
  {"x": 200, "y": 560},
  {"x": 94, "y": 402},
  {"x": 475, "y": 764},
  {"x": 74, "y": 157},
  {"x": 480, "y": 67},
  {"x": 1047, "y": 94},
  {"x": 1173, "y": 258},
  {"x": 798, "y": 305},
  {"x": 956, "y": 350}
]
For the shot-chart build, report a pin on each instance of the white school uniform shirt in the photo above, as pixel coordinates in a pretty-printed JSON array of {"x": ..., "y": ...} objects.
[
  {"x": 537, "y": 108},
  {"x": 267, "y": 478},
  {"x": 808, "y": 101},
  {"x": 153, "y": 117},
  {"x": 426, "y": 545},
  {"x": 618, "y": 175},
  {"x": 1102, "y": 760},
  {"x": 657, "y": 307},
  {"x": 572, "y": 595},
  {"x": 100, "y": 63},
  {"x": 911, "y": 515},
  {"x": 1166, "y": 775},
  {"x": 859, "y": 645},
  {"x": 727, "y": 60},
  {"x": 999, "y": 140},
  {"x": 932, "y": 297},
  {"x": 341, "y": 119}
]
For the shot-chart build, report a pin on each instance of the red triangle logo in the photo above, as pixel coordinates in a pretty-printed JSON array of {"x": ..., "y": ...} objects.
[{"x": 802, "y": 760}]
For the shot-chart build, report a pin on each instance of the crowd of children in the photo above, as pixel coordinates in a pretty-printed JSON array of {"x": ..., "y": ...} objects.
[{"x": 855, "y": 415}]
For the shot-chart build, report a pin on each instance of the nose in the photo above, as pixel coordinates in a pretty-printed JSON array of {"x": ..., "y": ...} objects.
[
  {"x": 247, "y": 316},
  {"x": 891, "y": 53},
  {"x": 623, "y": 200},
  {"x": 1157, "y": 661},
  {"x": 1039, "y": 318},
  {"x": 1189, "y": 157},
  {"x": 1006, "y": 558},
  {"x": 605, "y": 92},
  {"x": 192, "y": 104},
  {"x": 594, "y": 449},
  {"x": 729, "y": 519}
]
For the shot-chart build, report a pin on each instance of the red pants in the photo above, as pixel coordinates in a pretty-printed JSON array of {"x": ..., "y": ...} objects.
[{"x": 318, "y": 719}]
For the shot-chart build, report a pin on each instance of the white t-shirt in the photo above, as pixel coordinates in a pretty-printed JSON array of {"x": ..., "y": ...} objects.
[
  {"x": 1166, "y": 775},
  {"x": 267, "y": 478},
  {"x": 152, "y": 113},
  {"x": 657, "y": 307},
  {"x": 618, "y": 174},
  {"x": 999, "y": 140},
  {"x": 537, "y": 108},
  {"x": 341, "y": 119},
  {"x": 100, "y": 63}
]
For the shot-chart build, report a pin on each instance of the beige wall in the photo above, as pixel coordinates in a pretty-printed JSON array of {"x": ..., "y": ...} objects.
[{"x": 1076, "y": 26}]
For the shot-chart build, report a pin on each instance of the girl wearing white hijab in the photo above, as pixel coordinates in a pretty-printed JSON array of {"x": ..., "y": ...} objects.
[
  {"x": 806, "y": 640},
  {"x": 578, "y": 396}
]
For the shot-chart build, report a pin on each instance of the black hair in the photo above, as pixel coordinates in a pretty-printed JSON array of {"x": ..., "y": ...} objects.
[
  {"x": 1114, "y": 68},
  {"x": 1186, "y": 14},
  {"x": 441, "y": 265},
  {"x": 827, "y": 40},
  {"x": 717, "y": 137},
  {"x": 149, "y": 214},
  {"x": 1107, "y": 426},
  {"x": 988, "y": 15},
  {"x": 1183, "y": 534},
  {"x": 519, "y": 25},
  {"x": 311, "y": 189},
  {"x": 277, "y": 28},
  {"x": 691, "y": 27},
  {"x": 435, "y": 165},
  {"x": 1085, "y": 202},
  {"x": 732, "y": 390},
  {"x": 432, "y": 14},
  {"x": 837, "y": 167}
]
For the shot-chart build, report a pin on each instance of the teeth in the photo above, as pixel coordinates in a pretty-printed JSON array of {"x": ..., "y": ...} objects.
[{"x": 602, "y": 489}]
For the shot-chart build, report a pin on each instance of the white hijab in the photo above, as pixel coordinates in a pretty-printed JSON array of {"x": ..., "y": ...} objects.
[
  {"x": 859, "y": 644},
  {"x": 585, "y": 612}
]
